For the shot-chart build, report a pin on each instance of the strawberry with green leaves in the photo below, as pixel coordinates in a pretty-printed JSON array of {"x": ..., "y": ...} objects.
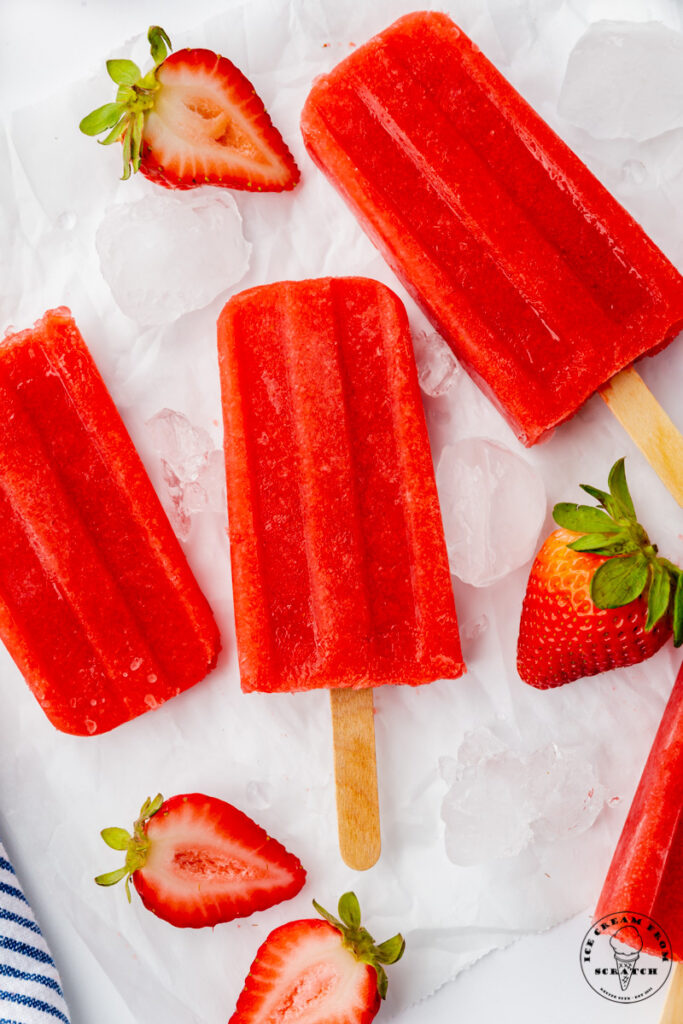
[
  {"x": 599, "y": 595},
  {"x": 318, "y": 972},
  {"x": 193, "y": 119},
  {"x": 197, "y": 861}
]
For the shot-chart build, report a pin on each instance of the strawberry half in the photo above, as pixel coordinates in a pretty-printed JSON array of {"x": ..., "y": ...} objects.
[
  {"x": 318, "y": 972},
  {"x": 599, "y": 597},
  {"x": 194, "y": 119},
  {"x": 197, "y": 861}
]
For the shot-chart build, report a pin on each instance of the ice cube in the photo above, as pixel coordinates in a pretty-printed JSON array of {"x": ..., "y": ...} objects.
[
  {"x": 493, "y": 505},
  {"x": 194, "y": 497},
  {"x": 182, "y": 446},
  {"x": 487, "y": 812},
  {"x": 566, "y": 792},
  {"x": 437, "y": 367},
  {"x": 192, "y": 467},
  {"x": 212, "y": 479},
  {"x": 517, "y": 25},
  {"x": 178, "y": 514},
  {"x": 166, "y": 255},
  {"x": 503, "y": 800},
  {"x": 625, "y": 79}
]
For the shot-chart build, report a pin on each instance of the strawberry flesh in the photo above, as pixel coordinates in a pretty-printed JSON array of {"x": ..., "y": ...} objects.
[
  {"x": 303, "y": 974},
  {"x": 208, "y": 862},
  {"x": 208, "y": 126},
  {"x": 563, "y": 635}
]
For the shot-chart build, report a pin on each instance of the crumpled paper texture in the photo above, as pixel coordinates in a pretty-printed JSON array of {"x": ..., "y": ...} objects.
[{"x": 272, "y": 755}]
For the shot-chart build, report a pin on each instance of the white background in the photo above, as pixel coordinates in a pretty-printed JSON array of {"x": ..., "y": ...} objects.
[{"x": 42, "y": 46}]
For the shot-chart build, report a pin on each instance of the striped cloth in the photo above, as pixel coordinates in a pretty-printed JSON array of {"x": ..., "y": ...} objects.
[{"x": 30, "y": 990}]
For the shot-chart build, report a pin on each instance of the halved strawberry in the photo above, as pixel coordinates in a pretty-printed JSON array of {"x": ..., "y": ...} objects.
[
  {"x": 194, "y": 119},
  {"x": 599, "y": 596},
  {"x": 318, "y": 972},
  {"x": 196, "y": 861}
]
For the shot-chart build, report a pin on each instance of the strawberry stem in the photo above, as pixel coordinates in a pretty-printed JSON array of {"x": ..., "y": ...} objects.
[
  {"x": 634, "y": 567},
  {"x": 135, "y": 97},
  {"x": 360, "y": 942},
  {"x": 136, "y": 845}
]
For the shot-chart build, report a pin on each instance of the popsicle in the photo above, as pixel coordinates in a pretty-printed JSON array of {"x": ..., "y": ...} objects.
[
  {"x": 340, "y": 573},
  {"x": 98, "y": 606},
  {"x": 540, "y": 281},
  {"x": 647, "y": 867}
]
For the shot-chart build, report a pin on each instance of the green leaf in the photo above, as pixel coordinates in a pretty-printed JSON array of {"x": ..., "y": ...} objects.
[
  {"x": 159, "y": 42},
  {"x": 327, "y": 915},
  {"x": 613, "y": 507},
  {"x": 125, "y": 94},
  {"x": 115, "y": 134},
  {"x": 155, "y": 805},
  {"x": 619, "y": 581},
  {"x": 595, "y": 492},
  {"x": 112, "y": 877},
  {"x": 136, "y": 150},
  {"x": 583, "y": 518},
  {"x": 101, "y": 119},
  {"x": 127, "y": 146},
  {"x": 349, "y": 910},
  {"x": 382, "y": 981},
  {"x": 603, "y": 543},
  {"x": 123, "y": 72},
  {"x": 619, "y": 489},
  {"x": 678, "y": 611},
  {"x": 658, "y": 596},
  {"x": 391, "y": 950},
  {"x": 116, "y": 838},
  {"x": 149, "y": 82}
]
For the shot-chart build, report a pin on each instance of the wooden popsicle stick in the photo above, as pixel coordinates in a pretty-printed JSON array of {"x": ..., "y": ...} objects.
[
  {"x": 673, "y": 1007},
  {"x": 355, "y": 772},
  {"x": 643, "y": 418}
]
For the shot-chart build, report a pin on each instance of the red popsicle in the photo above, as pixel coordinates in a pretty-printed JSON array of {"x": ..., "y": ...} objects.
[
  {"x": 647, "y": 868},
  {"x": 540, "y": 281},
  {"x": 98, "y": 606},
  {"x": 340, "y": 573}
]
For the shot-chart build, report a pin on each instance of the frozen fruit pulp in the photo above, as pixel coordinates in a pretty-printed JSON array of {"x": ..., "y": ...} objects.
[
  {"x": 541, "y": 282},
  {"x": 339, "y": 564},
  {"x": 98, "y": 605}
]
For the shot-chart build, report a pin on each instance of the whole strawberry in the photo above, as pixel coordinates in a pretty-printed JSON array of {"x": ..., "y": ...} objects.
[
  {"x": 197, "y": 861},
  {"x": 194, "y": 119},
  {"x": 599, "y": 596},
  {"x": 320, "y": 972}
]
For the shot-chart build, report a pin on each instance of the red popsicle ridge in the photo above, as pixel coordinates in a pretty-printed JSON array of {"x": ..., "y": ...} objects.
[
  {"x": 98, "y": 606},
  {"x": 646, "y": 870},
  {"x": 340, "y": 574},
  {"x": 540, "y": 281}
]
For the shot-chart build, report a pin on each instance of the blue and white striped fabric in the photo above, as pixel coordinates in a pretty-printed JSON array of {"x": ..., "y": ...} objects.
[{"x": 30, "y": 990}]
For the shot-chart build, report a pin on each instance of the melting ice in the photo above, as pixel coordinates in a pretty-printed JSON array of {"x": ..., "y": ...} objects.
[
  {"x": 166, "y": 255},
  {"x": 192, "y": 466},
  {"x": 502, "y": 800}
]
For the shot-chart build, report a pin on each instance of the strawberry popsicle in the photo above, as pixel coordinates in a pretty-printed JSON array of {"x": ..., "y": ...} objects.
[
  {"x": 539, "y": 280},
  {"x": 340, "y": 573},
  {"x": 646, "y": 870},
  {"x": 98, "y": 606}
]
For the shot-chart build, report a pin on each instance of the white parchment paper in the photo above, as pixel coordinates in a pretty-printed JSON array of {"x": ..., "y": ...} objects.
[{"x": 271, "y": 755}]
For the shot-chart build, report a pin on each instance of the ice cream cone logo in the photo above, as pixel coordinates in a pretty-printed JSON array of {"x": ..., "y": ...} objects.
[
  {"x": 626, "y": 957},
  {"x": 626, "y": 945}
]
